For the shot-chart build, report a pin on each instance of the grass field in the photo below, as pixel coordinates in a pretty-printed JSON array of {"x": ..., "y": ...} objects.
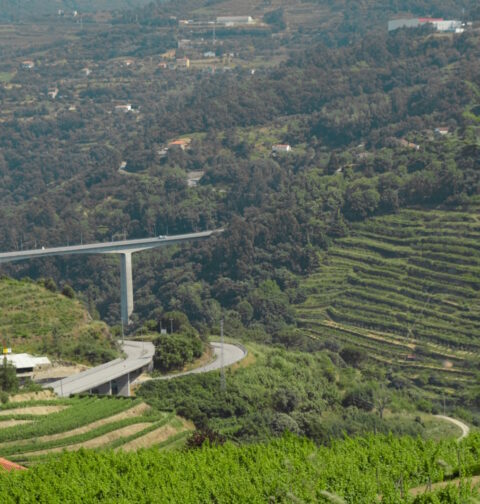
[
  {"x": 406, "y": 288},
  {"x": 32, "y": 430}
]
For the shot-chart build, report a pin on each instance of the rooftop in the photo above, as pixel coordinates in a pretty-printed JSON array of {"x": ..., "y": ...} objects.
[
  {"x": 10, "y": 466},
  {"x": 24, "y": 360}
]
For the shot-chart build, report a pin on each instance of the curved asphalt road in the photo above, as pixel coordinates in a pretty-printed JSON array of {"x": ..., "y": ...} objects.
[
  {"x": 465, "y": 428},
  {"x": 139, "y": 356},
  {"x": 231, "y": 355}
]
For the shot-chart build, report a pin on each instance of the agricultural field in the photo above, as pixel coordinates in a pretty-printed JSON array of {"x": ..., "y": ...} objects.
[
  {"x": 38, "y": 319},
  {"x": 406, "y": 289},
  {"x": 366, "y": 470},
  {"x": 33, "y": 430}
]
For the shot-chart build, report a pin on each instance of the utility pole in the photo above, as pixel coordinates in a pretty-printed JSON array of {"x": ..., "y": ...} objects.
[
  {"x": 171, "y": 326},
  {"x": 223, "y": 384},
  {"x": 123, "y": 334}
]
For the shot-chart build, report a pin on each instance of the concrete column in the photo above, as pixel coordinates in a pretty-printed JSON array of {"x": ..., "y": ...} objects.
[
  {"x": 105, "y": 389},
  {"x": 126, "y": 286},
  {"x": 123, "y": 385}
]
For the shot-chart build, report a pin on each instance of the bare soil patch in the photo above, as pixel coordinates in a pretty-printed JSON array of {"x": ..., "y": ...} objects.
[
  {"x": 12, "y": 423},
  {"x": 152, "y": 438},
  {"x": 33, "y": 410},
  {"x": 437, "y": 486},
  {"x": 43, "y": 395},
  {"x": 59, "y": 371}
]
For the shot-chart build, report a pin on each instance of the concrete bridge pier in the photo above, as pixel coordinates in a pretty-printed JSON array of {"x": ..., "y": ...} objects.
[
  {"x": 105, "y": 389},
  {"x": 126, "y": 287},
  {"x": 123, "y": 385}
]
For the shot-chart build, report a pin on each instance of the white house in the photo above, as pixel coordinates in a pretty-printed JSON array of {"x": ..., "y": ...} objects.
[
  {"x": 440, "y": 132},
  {"x": 52, "y": 93},
  {"x": 123, "y": 108},
  {"x": 440, "y": 24},
  {"x": 26, "y": 363},
  {"x": 281, "y": 148},
  {"x": 234, "y": 20}
]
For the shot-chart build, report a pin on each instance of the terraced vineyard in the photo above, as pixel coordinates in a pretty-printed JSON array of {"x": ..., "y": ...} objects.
[
  {"x": 406, "y": 288},
  {"x": 30, "y": 431}
]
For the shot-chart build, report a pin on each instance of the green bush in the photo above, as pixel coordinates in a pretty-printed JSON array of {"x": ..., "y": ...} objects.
[
  {"x": 67, "y": 291},
  {"x": 173, "y": 351}
]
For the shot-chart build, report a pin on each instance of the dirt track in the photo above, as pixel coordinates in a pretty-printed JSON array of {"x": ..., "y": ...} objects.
[{"x": 33, "y": 410}]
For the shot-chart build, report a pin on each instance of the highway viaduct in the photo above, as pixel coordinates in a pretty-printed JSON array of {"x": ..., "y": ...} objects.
[{"x": 125, "y": 248}]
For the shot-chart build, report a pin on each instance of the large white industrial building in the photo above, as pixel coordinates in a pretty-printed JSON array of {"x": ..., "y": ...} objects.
[
  {"x": 234, "y": 20},
  {"x": 442, "y": 25}
]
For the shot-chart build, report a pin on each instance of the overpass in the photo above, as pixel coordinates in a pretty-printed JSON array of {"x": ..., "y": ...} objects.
[
  {"x": 113, "y": 377},
  {"x": 125, "y": 248}
]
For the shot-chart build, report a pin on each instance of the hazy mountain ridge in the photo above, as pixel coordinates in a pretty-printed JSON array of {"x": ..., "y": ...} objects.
[{"x": 22, "y": 10}]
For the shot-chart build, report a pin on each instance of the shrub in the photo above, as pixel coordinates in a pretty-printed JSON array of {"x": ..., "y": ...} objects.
[
  {"x": 361, "y": 397},
  {"x": 68, "y": 292},
  {"x": 173, "y": 351},
  {"x": 202, "y": 436}
]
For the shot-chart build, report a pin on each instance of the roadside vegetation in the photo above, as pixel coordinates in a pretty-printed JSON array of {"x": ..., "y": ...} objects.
[{"x": 321, "y": 395}]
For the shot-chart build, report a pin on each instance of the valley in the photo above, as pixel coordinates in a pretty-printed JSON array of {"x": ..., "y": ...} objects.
[{"x": 323, "y": 344}]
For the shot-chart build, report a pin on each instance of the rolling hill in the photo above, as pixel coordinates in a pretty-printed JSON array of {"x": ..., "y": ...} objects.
[{"x": 35, "y": 319}]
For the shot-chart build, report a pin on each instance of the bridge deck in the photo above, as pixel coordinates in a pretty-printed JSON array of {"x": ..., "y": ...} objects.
[
  {"x": 139, "y": 355},
  {"x": 115, "y": 247}
]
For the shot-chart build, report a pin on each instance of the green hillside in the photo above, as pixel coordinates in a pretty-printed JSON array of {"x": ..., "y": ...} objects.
[
  {"x": 35, "y": 319},
  {"x": 406, "y": 289}
]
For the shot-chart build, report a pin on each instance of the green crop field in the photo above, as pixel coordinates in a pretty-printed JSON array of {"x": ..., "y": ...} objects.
[
  {"x": 33, "y": 430},
  {"x": 366, "y": 470},
  {"x": 406, "y": 288}
]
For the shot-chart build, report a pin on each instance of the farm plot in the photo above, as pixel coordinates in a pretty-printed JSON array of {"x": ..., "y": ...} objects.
[
  {"x": 35, "y": 429},
  {"x": 405, "y": 288}
]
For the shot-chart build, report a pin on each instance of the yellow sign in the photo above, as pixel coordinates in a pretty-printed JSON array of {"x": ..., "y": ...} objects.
[{"x": 5, "y": 351}]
